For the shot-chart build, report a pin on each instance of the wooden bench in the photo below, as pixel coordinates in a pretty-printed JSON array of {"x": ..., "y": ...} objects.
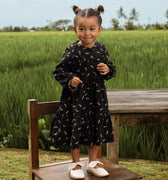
[
  {"x": 135, "y": 107},
  {"x": 58, "y": 171}
]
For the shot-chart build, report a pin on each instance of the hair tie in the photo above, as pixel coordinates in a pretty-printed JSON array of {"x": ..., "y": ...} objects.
[
  {"x": 76, "y": 9},
  {"x": 96, "y": 10},
  {"x": 99, "y": 9}
]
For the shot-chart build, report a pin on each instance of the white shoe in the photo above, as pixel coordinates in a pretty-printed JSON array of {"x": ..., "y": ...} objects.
[
  {"x": 76, "y": 174},
  {"x": 99, "y": 172}
]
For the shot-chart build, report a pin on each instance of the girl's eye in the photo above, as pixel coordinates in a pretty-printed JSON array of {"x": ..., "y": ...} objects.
[
  {"x": 81, "y": 29},
  {"x": 92, "y": 29}
]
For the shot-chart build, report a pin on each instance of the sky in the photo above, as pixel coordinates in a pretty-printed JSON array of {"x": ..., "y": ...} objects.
[{"x": 36, "y": 13}]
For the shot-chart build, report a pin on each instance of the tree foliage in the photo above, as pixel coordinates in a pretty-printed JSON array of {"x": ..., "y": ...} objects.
[
  {"x": 121, "y": 13},
  {"x": 134, "y": 14},
  {"x": 60, "y": 24},
  {"x": 115, "y": 23}
]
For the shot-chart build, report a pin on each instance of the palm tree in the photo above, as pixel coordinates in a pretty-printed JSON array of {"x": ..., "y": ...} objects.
[
  {"x": 121, "y": 13},
  {"x": 134, "y": 15},
  {"x": 115, "y": 23}
]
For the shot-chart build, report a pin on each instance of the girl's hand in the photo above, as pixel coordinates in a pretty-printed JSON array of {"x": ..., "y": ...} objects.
[
  {"x": 103, "y": 68},
  {"x": 75, "y": 82}
]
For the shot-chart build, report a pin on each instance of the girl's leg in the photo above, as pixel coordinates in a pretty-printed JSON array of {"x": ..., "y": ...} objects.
[
  {"x": 75, "y": 156},
  {"x": 97, "y": 170},
  {"x": 76, "y": 172},
  {"x": 92, "y": 151}
]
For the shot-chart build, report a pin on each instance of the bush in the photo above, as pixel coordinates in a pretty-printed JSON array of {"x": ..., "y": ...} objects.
[
  {"x": 130, "y": 26},
  {"x": 159, "y": 26}
]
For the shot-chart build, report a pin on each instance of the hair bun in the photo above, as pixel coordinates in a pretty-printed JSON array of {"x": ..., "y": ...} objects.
[
  {"x": 100, "y": 9},
  {"x": 76, "y": 9}
]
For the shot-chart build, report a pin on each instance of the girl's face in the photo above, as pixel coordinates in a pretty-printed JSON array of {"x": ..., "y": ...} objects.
[{"x": 87, "y": 29}]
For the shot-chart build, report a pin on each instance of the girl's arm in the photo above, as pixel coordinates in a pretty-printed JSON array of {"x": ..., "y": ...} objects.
[
  {"x": 112, "y": 69},
  {"x": 75, "y": 82},
  {"x": 103, "y": 68},
  {"x": 63, "y": 71}
]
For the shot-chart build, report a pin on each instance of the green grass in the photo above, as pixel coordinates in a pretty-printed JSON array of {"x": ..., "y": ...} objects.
[
  {"x": 15, "y": 166},
  {"x": 149, "y": 170},
  {"x": 15, "y": 163},
  {"x": 27, "y": 61}
]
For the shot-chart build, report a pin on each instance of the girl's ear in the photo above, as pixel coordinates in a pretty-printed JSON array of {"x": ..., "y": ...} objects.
[
  {"x": 74, "y": 28},
  {"x": 100, "y": 28}
]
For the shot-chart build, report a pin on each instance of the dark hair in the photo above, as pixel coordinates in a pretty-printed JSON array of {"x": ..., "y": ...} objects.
[{"x": 88, "y": 13}]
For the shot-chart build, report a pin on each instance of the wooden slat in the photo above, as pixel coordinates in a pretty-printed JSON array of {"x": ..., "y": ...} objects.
[
  {"x": 47, "y": 107},
  {"x": 59, "y": 172},
  {"x": 143, "y": 119},
  {"x": 138, "y": 101},
  {"x": 62, "y": 163},
  {"x": 33, "y": 136},
  {"x": 113, "y": 147}
]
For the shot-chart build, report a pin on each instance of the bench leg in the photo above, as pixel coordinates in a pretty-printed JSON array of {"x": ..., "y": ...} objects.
[{"x": 113, "y": 148}]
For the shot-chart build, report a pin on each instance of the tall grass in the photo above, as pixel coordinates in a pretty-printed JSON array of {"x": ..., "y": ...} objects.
[
  {"x": 146, "y": 142},
  {"x": 27, "y": 61}
]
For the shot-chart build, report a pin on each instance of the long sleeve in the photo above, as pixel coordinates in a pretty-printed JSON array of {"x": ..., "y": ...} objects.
[
  {"x": 63, "y": 72},
  {"x": 112, "y": 72}
]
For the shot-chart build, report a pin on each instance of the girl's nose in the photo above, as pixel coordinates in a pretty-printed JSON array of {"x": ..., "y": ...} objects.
[{"x": 86, "y": 32}]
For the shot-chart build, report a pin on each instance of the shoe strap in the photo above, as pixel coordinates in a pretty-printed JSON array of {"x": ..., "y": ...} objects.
[
  {"x": 94, "y": 163},
  {"x": 73, "y": 165}
]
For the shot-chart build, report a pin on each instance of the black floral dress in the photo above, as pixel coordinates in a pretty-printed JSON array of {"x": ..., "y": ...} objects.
[{"x": 83, "y": 116}]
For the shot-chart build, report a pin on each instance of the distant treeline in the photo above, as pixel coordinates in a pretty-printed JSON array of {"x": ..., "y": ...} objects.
[
  {"x": 128, "y": 26},
  {"x": 122, "y": 22}
]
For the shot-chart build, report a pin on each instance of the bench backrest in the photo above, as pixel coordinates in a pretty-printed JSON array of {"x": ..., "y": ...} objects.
[{"x": 36, "y": 109}]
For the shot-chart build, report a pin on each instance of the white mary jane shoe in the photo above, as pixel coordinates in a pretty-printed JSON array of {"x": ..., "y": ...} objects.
[
  {"x": 99, "y": 172},
  {"x": 76, "y": 174}
]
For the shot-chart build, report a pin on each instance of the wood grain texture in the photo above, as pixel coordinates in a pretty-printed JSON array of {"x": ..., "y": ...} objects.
[
  {"x": 59, "y": 172},
  {"x": 138, "y": 101},
  {"x": 143, "y": 119},
  {"x": 33, "y": 135},
  {"x": 113, "y": 147}
]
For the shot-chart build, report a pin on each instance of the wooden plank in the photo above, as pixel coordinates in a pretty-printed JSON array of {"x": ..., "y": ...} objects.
[
  {"x": 113, "y": 147},
  {"x": 33, "y": 136},
  {"x": 47, "y": 107},
  {"x": 59, "y": 172},
  {"x": 142, "y": 119},
  {"x": 62, "y": 162},
  {"x": 130, "y": 108},
  {"x": 138, "y": 101}
]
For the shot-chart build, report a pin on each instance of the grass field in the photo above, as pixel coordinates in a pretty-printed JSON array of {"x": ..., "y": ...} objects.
[
  {"x": 14, "y": 165},
  {"x": 27, "y": 61}
]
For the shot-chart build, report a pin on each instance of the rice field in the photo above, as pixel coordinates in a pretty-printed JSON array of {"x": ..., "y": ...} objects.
[{"x": 27, "y": 61}]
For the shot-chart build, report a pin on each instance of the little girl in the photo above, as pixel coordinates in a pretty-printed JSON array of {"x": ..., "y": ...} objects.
[{"x": 83, "y": 116}]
